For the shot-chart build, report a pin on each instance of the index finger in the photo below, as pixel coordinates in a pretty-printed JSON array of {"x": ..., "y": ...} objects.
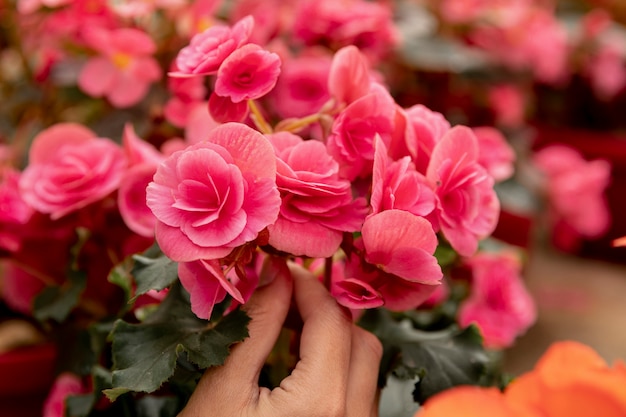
[{"x": 325, "y": 344}]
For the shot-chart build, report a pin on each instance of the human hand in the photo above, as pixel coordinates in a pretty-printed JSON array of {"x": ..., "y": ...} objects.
[{"x": 336, "y": 373}]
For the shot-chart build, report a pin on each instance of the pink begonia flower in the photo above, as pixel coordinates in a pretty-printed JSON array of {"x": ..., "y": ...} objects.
[
  {"x": 402, "y": 244},
  {"x": 187, "y": 93},
  {"x": 317, "y": 205},
  {"x": 508, "y": 104},
  {"x": 69, "y": 168},
  {"x": 248, "y": 73},
  {"x": 397, "y": 185},
  {"x": 271, "y": 17},
  {"x": 137, "y": 150},
  {"x": 349, "y": 77},
  {"x": 19, "y": 288},
  {"x": 143, "y": 159},
  {"x": 207, "y": 285},
  {"x": 495, "y": 154},
  {"x": 575, "y": 188},
  {"x": 29, "y": 6},
  {"x": 428, "y": 127},
  {"x": 15, "y": 211},
  {"x": 398, "y": 265},
  {"x": 368, "y": 25},
  {"x": 224, "y": 110},
  {"x": 606, "y": 69},
  {"x": 499, "y": 303},
  {"x": 467, "y": 205},
  {"x": 199, "y": 124},
  {"x": 351, "y": 141},
  {"x": 215, "y": 195},
  {"x": 538, "y": 42},
  {"x": 207, "y": 50},
  {"x": 124, "y": 68},
  {"x": 65, "y": 385},
  {"x": 441, "y": 294},
  {"x": 301, "y": 88}
]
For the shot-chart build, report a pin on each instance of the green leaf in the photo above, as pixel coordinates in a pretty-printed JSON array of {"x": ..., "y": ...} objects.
[
  {"x": 56, "y": 302},
  {"x": 145, "y": 354},
  {"x": 153, "y": 273},
  {"x": 440, "y": 359},
  {"x": 119, "y": 276},
  {"x": 81, "y": 405},
  {"x": 445, "y": 255}
]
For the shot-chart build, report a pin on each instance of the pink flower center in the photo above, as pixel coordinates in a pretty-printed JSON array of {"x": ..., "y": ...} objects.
[{"x": 121, "y": 60}]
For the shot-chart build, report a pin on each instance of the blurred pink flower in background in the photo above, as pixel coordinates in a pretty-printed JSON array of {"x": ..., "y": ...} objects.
[
  {"x": 302, "y": 88},
  {"x": 575, "y": 189},
  {"x": 499, "y": 303},
  {"x": 508, "y": 104},
  {"x": 124, "y": 69},
  {"x": 70, "y": 168},
  {"x": 65, "y": 385},
  {"x": 495, "y": 154}
]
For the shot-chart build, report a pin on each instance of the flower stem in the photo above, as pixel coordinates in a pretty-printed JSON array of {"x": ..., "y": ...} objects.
[{"x": 258, "y": 118}]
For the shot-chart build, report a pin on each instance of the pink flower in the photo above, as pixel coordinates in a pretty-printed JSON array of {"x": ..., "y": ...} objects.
[
  {"x": 30, "y": 6},
  {"x": 495, "y": 155},
  {"x": 215, "y": 195},
  {"x": 224, "y": 110},
  {"x": 187, "y": 93},
  {"x": 65, "y": 385},
  {"x": 398, "y": 185},
  {"x": 207, "y": 285},
  {"x": 398, "y": 265},
  {"x": 124, "y": 69},
  {"x": 19, "y": 288},
  {"x": 499, "y": 303},
  {"x": 606, "y": 69},
  {"x": 351, "y": 141},
  {"x": 248, "y": 73},
  {"x": 15, "y": 211},
  {"x": 349, "y": 77},
  {"x": 508, "y": 104},
  {"x": 368, "y": 25},
  {"x": 467, "y": 206},
  {"x": 317, "y": 205},
  {"x": 69, "y": 168},
  {"x": 301, "y": 88},
  {"x": 429, "y": 127},
  {"x": 207, "y": 50},
  {"x": 575, "y": 189}
]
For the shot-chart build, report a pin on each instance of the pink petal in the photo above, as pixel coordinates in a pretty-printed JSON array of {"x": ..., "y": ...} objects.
[
  {"x": 48, "y": 142},
  {"x": 97, "y": 76},
  {"x": 349, "y": 77},
  {"x": 402, "y": 244},
  {"x": 304, "y": 239}
]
